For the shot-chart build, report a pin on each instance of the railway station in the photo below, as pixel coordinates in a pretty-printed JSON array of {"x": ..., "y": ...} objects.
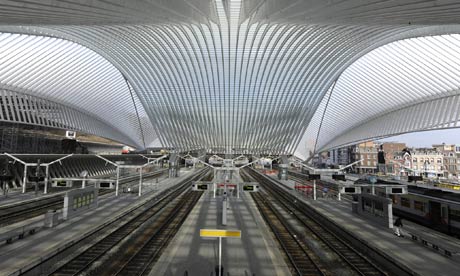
[{"x": 228, "y": 137}]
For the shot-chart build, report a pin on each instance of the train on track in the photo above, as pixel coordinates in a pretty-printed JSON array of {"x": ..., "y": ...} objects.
[
  {"x": 433, "y": 208},
  {"x": 437, "y": 209}
]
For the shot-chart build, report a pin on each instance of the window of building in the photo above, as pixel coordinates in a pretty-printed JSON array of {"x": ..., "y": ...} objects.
[
  {"x": 414, "y": 160},
  {"x": 418, "y": 205},
  {"x": 405, "y": 202},
  {"x": 439, "y": 160}
]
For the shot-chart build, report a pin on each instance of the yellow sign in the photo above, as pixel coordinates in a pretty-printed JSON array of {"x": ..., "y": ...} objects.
[{"x": 218, "y": 233}]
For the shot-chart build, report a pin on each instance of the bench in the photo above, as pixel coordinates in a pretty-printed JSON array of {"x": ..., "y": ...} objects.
[
  {"x": 448, "y": 252},
  {"x": 20, "y": 232}
]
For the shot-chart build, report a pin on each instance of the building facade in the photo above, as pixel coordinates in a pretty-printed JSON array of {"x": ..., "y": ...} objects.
[
  {"x": 428, "y": 162},
  {"x": 367, "y": 152},
  {"x": 450, "y": 159}
]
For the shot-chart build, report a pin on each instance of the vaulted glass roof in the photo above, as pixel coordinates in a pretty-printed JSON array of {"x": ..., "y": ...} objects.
[
  {"x": 247, "y": 76},
  {"x": 401, "y": 87}
]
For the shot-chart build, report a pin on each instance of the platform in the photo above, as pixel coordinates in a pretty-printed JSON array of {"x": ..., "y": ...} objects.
[
  {"x": 17, "y": 197},
  {"x": 424, "y": 260},
  {"x": 25, "y": 253},
  {"x": 256, "y": 253}
]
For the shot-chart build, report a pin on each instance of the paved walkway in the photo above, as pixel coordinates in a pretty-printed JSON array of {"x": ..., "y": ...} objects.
[
  {"x": 421, "y": 259},
  {"x": 255, "y": 253},
  {"x": 27, "y": 252}
]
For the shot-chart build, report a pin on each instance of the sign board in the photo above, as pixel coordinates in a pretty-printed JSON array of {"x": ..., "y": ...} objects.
[
  {"x": 201, "y": 185},
  {"x": 79, "y": 199},
  {"x": 339, "y": 177},
  {"x": 69, "y": 134},
  {"x": 350, "y": 190},
  {"x": 414, "y": 178},
  {"x": 313, "y": 176},
  {"x": 396, "y": 190},
  {"x": 219, "y": 233},
  {"x": 251, "y": 187}
]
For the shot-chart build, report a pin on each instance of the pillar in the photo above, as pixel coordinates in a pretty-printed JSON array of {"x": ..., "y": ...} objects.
[
  {"x": 173, "y": 165},
  {"x": 283, "y": 168}
]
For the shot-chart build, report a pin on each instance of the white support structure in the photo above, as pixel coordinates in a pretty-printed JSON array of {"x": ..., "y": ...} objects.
[
  {"x": 220, "y": 256},
  {"x": 314, "y": 189},
  {"x": 117, "y": 181},
  {"x": 47, "y": 170},
  {"x": 315, "y": 170},
  {"x": 24, "y": 181},
  {"x": 140, "y": 167},
  {"x": 26, "y": 165},
  {"x": 140, "y": 181},
  {"x": 47, "y": 176}
]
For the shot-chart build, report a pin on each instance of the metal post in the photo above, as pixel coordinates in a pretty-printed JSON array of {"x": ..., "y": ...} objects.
[
  {"x": 83, "y": 182},
  {"x": 338, "y": 196},
  {"x": 140, "y": 182},
  {"x": 314, "y": 189},
  {"x": 24, "y": 180},
  {"x": 47, "y": 174},
  {"x": 373, "y": 189},
  {"x": 224, "y": 211},
  {"x": 214, "y": 188},
  {"x": 117, "y": 181},
  {"x": 237, "y": 190},
  {"x": 220, "y": 256}
]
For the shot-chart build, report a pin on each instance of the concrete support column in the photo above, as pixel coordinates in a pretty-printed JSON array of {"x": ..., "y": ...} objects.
[
  {"x": 117, "y": 181},
  {"x": 173, "y": 165},
  {"x": 47, "y": 175},
  {"x": 283, "y": 172},
  {"x": 140, "y": 182},
  {"x": 24, "y": 180},
  {"x": 283, "y": 168},
  {"x": 224, "y": 211}
]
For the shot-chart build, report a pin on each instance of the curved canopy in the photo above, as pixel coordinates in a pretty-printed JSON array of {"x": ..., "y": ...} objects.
[
  {"x": 65, "y": 73},
  {"x": 404, "y": 86},
  {"x": 238, "y": 76}
]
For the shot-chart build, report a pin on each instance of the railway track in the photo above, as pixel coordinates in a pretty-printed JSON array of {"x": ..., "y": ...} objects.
[
  {"x": 19, "y": 212},
  {"x": 168, "y": 212},
  {"x": 302, "y": 261},
  {"x": 333, "y": 189},
  {"x": 312, "y": 224},
  {"x": 141, "y": 253}
]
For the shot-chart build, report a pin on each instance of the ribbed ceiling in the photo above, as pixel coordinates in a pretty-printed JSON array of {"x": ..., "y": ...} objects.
[{"x": 242, "y": 76}]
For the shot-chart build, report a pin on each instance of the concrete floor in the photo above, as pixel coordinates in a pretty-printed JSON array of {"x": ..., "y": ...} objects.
[
  {"x": 256, "y": 253},
  {"x": 28, "y": 251}
]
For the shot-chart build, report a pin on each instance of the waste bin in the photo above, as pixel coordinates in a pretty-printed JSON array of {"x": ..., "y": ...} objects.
[
  {"x": 51, "y": 219},
  {"x": 354, "y": 207}
]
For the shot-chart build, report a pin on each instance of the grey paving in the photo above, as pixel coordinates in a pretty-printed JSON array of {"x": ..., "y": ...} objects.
[
  {"x": 421, "y": 259},
  {"x": 30, "y": 250},
  {"x": 256, "y": 253}
]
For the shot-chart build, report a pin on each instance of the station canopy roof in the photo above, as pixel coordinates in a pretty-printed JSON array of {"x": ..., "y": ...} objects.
[{"x": 248, "y": 76}]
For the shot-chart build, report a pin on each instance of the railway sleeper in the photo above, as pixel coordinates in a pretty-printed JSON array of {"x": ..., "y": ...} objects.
[{"x": 391, "y": 265}]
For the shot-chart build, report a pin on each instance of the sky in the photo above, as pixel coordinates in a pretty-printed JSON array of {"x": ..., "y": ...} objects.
[{"x": 427, "y": 138}]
